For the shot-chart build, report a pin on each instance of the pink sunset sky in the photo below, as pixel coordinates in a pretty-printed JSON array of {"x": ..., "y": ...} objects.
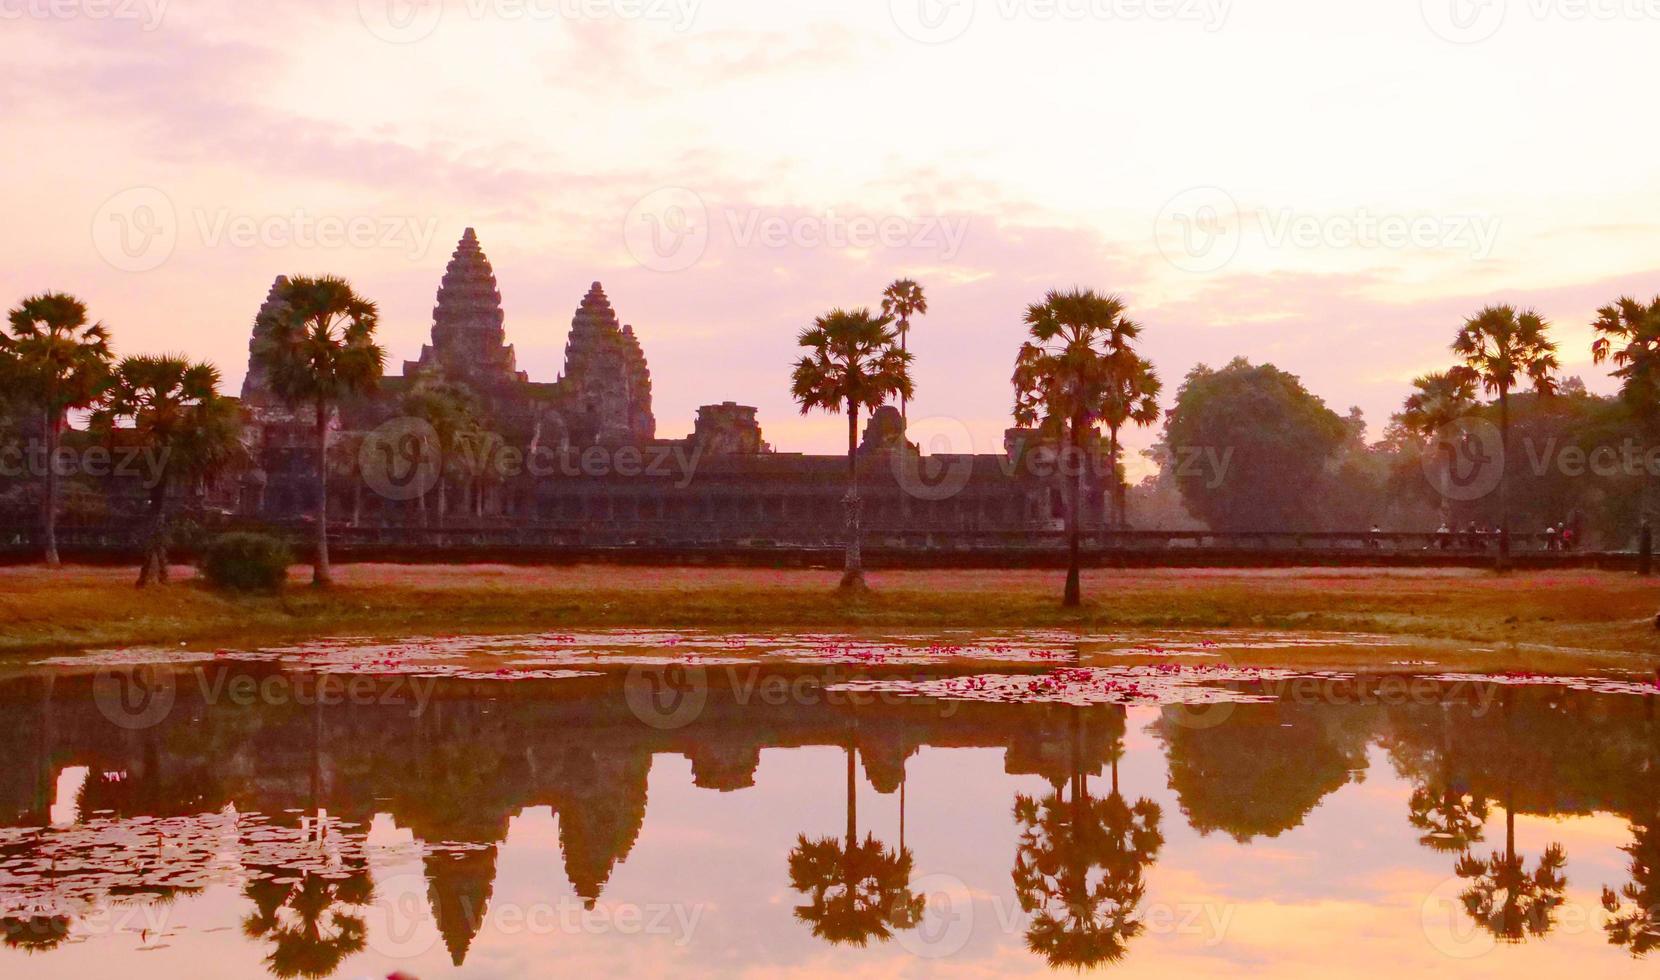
[{"x": 1329, "y": 187}]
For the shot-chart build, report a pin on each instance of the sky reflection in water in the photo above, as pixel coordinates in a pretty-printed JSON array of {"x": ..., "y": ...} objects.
[{"x": 705, "y": 816}]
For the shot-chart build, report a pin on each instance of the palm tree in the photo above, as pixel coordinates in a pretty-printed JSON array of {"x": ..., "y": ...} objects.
[
  {"x": 1062, "y": 377},
  {"x": 1500, "y": 347},
  {"x": 58, "y": 363},
  {"x": 317, "y": 345},
  {"x": 853, "y": 364},
  {"x": 1438, "y": 400},
  {"x": 175, "y": 412},
  {"x": 1132, "y": 398},
  {"x": 902, "y": 300},
  {"x": 1629, "y": 333}
]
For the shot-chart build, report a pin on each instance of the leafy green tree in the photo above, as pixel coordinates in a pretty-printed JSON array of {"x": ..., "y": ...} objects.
[
  {"x": 317, "y": 346},
  {"x": 1262, "y": 772},
  {"x": 1628, "y": 333},
  {"x": 452, "y": 410},
  {"x": 1063, "y": 374},
  {"x": 902, "y": 300},
  {"x": 1132, "y": 398},
  {"x": 173, "y": 409},
  {"x": 56, "y": 363},
  {"x": 1439, "y": 400},
  {"x": 1500, "y": 348},
  {"x": 852, "y": 365},
  {"x": 1257, "y": 444}
]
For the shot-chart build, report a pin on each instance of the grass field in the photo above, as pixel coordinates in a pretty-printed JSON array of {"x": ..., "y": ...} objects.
[{"x": 1528, "y": 612}]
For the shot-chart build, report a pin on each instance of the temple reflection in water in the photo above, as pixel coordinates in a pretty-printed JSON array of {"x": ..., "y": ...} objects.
[{"x": 283, "y": 803}]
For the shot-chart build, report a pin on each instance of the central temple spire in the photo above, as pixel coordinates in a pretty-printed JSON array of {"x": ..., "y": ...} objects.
[{"x": 469, "y": 339}]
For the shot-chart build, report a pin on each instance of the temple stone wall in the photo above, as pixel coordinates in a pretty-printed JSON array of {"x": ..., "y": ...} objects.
[{"x": 721, "y": 482}]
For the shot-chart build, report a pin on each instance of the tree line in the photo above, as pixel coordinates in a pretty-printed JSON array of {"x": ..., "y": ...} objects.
[{"x": 1279, "y": 458}]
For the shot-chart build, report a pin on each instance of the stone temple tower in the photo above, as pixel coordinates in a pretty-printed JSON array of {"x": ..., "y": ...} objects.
[
  {"x": 606, "y": 386},
  {"x": 469, "y": 341},
  {"x": 256, "y": 384}
]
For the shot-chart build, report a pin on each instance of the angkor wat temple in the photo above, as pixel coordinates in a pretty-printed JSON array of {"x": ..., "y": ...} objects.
[{"x": 582, "y": 452}]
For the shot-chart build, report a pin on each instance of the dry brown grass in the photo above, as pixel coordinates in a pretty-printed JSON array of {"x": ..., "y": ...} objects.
[{"x": 80, "y": 606}]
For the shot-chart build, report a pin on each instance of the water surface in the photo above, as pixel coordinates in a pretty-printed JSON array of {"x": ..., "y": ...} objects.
[{"x": 716, "y": 805}]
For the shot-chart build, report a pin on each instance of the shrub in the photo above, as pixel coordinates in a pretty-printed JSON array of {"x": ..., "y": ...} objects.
[{"x": 244, "y": 562}]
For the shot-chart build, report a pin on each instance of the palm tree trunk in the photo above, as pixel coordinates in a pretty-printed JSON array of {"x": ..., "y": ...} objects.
[
  {"x": 154, "y": 568},
  {"x": 1074, "y": 516},
  {"x": 852, "y": 797},
  {"x": 320, "y": 574},
  {"x": 1503, "y": 563},
  {"x": 49, "y": 503},
  {"x": 1117, "y": 485},
  {"x": 904, "y": 407},
  {"x": 853, "y": 573},
  {"x": 902, "y": 806}
]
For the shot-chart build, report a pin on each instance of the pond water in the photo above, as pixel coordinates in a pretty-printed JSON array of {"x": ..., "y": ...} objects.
[{"x": 714, "y": 805}]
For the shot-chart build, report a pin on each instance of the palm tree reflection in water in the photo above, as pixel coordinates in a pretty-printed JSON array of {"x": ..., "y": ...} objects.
[
  {"x": 857, "y": 891},
  {"x": 1080, "y": 864},
  {"x": 311, "y": 918}
]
